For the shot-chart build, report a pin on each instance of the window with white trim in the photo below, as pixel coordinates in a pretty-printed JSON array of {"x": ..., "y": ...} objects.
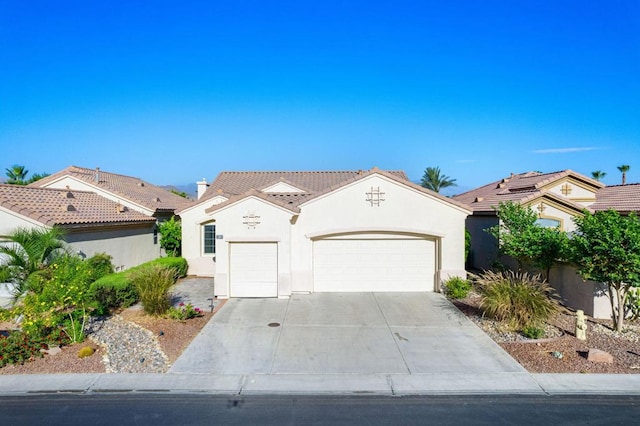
[{"x": 209, "y": 239}]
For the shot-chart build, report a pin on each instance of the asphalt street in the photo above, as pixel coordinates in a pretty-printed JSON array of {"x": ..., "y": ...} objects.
[{"x": 200, "y": 409}]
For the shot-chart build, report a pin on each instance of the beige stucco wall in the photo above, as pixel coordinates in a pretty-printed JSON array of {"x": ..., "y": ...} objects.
[
  {"x": 404, "y": 210},
  {"x": 9, "y": 221},
  {"x": 580, "y": 294},
  {"x": 578, "y": 193},
  {"x": 128, "y": 246},
  {"x": 192, "y": 219},
  {"x": 274, "y": 226}
]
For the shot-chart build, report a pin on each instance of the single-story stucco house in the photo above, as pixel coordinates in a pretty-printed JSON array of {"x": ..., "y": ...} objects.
[
  {"x": 557, "y": 198},
  {"x": 92, "y": 224},
  {"x": 272, "y": 234},
  {"x": 132, "y": 192}
]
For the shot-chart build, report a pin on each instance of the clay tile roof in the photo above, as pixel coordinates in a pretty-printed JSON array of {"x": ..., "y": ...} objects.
[
  {"x": 314, "y": 182},
  {"x": 319, "y": 183},
  {"x": 65, "y": 207},
  {"x": 520, "y": 188},
  {"x": 622, "y": 198},
  {"x": 130, "y": 188}
]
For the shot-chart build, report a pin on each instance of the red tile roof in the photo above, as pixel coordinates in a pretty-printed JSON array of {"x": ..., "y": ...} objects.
[
  {"x": 129, "y": 188},
  {"x": 622, "y": 198},
  {"x": 319, "y": 183},
  {"x": 66, "y": 207},
  {"x": 522, "y": 188}
]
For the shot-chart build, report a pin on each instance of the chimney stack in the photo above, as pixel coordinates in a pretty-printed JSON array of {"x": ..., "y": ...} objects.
[
  {"x": 97, "y": 175},
  {"x": 202, "y": 187}
]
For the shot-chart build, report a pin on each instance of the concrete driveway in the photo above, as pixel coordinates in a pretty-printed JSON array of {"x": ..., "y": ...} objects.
[{"x": 344, "y": 333}]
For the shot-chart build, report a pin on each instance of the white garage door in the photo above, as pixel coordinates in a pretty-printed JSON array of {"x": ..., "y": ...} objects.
[
  {"x": 374, "y": 265},
  {"x": 253, "y": 269}
]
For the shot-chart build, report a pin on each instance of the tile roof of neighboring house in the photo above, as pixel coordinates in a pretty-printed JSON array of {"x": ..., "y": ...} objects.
[
  {"x": 622, "y": 198},
  {"x": 522, "y": 187},
  {"x": 66, "y": 207},
  {"x": 130, "y": 188},
  {"x": 319, "y": 182}
]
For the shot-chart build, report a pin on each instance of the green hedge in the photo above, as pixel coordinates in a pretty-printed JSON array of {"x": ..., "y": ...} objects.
[{"x": 117, "y": 290}]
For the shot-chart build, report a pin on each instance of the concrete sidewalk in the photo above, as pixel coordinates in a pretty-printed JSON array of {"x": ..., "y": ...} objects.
[{"x": 389, "y": 384}]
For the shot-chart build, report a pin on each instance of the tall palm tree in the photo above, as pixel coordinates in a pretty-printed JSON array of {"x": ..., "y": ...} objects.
[
  {"x": 435, "y": 181},
  {"x": 27, "y": 251},
  {"x": 17, "y": 175},
  {"x": 598, "y": 174},
  {"x": 624, "y": 169}
]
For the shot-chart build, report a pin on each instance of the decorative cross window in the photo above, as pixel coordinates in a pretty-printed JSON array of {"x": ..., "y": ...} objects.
[
  {"x": 566, "y": 189},
  {"x": 375, "y": 196},
  {"x": 541, "y": 208},
  {"x": 251, "y": 220}
]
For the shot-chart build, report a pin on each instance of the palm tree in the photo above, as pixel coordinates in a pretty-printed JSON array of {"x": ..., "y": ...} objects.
[
  {"x": 435, "y": 181},
  {"x": 598, "y": 174},
  {"x": 624, "y": 169},
  {"x": 27, "y": 251},
  {"x": 17, "y": 175}
]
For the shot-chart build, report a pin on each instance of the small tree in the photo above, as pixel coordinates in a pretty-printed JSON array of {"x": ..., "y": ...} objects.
[
  {"x": 432, "y": 179},
  {"x": 171, "y": 236},
  {"x": 598, "y": 174},
  {"x": 624, "y": 169},
  {"x": 17, "y": 175},
  {"x": 606, "y": 248},
  {"x": 520, "y": 237}
]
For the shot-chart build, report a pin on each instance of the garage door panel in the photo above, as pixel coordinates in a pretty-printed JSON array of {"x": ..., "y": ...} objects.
[
  {"x": 253, "y": 269},
  {"x": 374, "y": 265}
]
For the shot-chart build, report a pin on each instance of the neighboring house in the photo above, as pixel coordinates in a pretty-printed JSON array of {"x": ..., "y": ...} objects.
[
  {"x": 92, "y": 223},
  {"x": 557, "y": 198},
  {"x": 132, "y": 192},
  {"x": 271, "y": 234}
]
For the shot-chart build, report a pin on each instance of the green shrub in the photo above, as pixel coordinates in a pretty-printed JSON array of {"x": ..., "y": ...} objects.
[
  {"x": 178, "y": 263},
  {"x": 457, "y": 288},
  {"x": 171, "y": 236},
  {"x": 113, "y": 291},
  {"x": 152, "y": 284},
  {"x": 62, "y": 300},
  {"x": 518, "y": 299},
  {"x": 100, "y": 265},
  {"x": 85, "y": 352},
  {"x": 118, "y": 291},
  {"x": 533, "y": 332}
]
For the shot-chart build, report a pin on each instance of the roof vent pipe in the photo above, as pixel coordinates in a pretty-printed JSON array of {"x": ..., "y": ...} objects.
[{"x": 97, "y": 174}]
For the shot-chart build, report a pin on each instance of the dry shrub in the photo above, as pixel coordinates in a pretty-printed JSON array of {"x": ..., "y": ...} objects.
[{"x": 520, "y": 300}]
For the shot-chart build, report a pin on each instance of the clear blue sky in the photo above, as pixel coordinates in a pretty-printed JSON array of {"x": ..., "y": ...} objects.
[{"x": 176, "y": 91}]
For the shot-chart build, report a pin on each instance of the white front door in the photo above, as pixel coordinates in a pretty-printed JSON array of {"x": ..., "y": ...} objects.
[
  {"x": 373, "y": 265},
  {"x": 253, "y": 269}
]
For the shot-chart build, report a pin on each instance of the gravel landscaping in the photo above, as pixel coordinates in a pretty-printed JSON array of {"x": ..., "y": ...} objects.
[{"x": 559, "y": 351}]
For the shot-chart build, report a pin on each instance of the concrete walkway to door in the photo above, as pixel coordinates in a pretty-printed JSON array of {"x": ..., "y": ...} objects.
[{"x": 414, "y": 340}]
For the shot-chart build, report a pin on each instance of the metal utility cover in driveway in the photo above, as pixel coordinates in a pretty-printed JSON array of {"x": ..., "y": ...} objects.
[{"x": 343, "y": 333}]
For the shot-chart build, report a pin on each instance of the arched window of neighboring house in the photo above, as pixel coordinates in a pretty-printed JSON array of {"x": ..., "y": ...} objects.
[{"x": 547, "y": 222}]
